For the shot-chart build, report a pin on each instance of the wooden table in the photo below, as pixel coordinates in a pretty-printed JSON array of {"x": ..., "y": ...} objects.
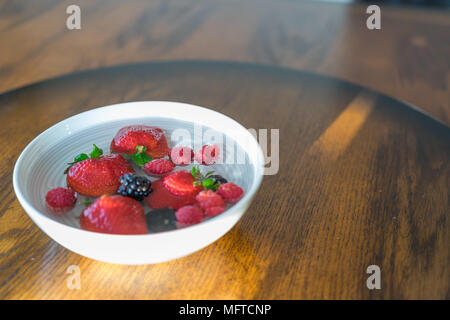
[{"x": 363, "y": 179}]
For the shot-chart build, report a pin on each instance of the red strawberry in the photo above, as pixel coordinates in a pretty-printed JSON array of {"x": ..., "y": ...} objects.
[
  {"x": 181, "y": 183},
  {"x": 230, "y": 192},
  {"x": 114, "y": 214},
  {"x": 129, "y": 138},
  {"x": 60, "y": 200},
  {"x": 158, "y": 167},
  {"x": 208, "y": 155},
  {"x": 98, "y": 176},
  {"x": 189, "y": 215},
  {"x": 210, "y": 202},
  {"x": 163, "y": 198},
  {"x": 181, "y": 156}
]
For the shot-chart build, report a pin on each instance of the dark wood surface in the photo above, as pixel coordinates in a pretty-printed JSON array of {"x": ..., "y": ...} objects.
[
  {"x": 363, "y": 180},
  {"x": 408, "y": 58}
]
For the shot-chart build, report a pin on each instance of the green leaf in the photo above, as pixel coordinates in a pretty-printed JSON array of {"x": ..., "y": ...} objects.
[
  {"x": 87, "y": 202},
  {"x": 194, "y": 172},
  {"x": 96, "y": 153},
  {"x": 209, "y": 173},
  {"x": 80, "y": 157},
  {"x": 207, "y": 183},
  {"x": 197, "y": 183},
  {"x": 141, "y": 159},
  {"x": 140, "y": 149},
  {"x": 215, "y": 186}
]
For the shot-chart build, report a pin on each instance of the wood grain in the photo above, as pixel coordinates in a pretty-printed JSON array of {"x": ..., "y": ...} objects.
[
  {"x": 407, "y": 58},
  {"x": 363, "y": 180}
]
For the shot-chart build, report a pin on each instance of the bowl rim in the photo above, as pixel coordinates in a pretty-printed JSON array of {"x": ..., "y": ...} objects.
[{"x": 258, "y": 170}]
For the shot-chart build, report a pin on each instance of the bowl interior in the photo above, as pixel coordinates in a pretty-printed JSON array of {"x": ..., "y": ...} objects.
[{"x": 41, "y": 165}]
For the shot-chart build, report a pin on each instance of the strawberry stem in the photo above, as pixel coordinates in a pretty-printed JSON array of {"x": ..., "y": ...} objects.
[
  {"x": 140, "y": 149},
  {"x": 95, "y": 153}
]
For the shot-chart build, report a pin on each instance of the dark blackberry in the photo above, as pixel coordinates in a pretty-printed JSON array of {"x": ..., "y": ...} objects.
[
  {"x": 218, "y": 179},
  {"x": 159, "y": 220},
  {"x": 134, "y": 186}
]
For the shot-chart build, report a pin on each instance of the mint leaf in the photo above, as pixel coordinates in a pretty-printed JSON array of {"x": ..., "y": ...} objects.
[
  {"x": 216, "y": 186},
  {"x": 209, "y": 173},
  {"x": 207, "y": 183},
  {"x": 141, "y": 159},
  {"x": 96, "y": 153}
]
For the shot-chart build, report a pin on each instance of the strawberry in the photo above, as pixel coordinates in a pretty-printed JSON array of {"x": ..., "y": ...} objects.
[
  {"x": 158, "y": 167},
  {"x": 94, "y": 177},
  {"x": 181, "y": 183},
  {"x": 138, "y": 139},
  {"x": 114, "y": 214},
  {"x": 181, "y": 156},
  {"x": 60, "y": 200},
  {"x": 208, "y": 155},
  {"x": 163, "y": 198}
]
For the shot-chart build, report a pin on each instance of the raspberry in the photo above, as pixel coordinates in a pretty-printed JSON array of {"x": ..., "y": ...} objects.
[
  {"x": 181, "y": 183},
  {"x": 208, "y": 155},
  {"x": 60, "y": 200},
  {"x": 181, "y": 156},
  {"x": 189, "y": 215},
  {"x": 158, "y": 167},
  {"x": 211, "y": 202},
  {"x": 214, "y": 211},
  {"x": 230, "y": 192}
]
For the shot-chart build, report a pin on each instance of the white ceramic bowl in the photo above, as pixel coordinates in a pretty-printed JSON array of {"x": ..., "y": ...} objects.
[{"x": 40, "y": 167}]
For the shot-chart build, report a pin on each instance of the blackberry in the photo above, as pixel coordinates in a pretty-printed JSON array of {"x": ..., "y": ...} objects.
[
  {"x": 218, "y": 179},
  {"x": 134, "y": 186}
]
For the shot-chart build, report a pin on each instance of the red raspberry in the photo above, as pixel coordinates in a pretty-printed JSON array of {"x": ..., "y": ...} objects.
[
  {"x": 158, "y": 167},
  {"x": 208, "y": 155},
  {"x": 214, "y": 211},
  {"x": 181, "y": 183},
  {"x": 181, "y": 156},
  {"x": 230, "y": 192},
  {"x": 210, "y": 202},
  {"x": 189, "y": 215},
  {"x": 60, "y": 200}
]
